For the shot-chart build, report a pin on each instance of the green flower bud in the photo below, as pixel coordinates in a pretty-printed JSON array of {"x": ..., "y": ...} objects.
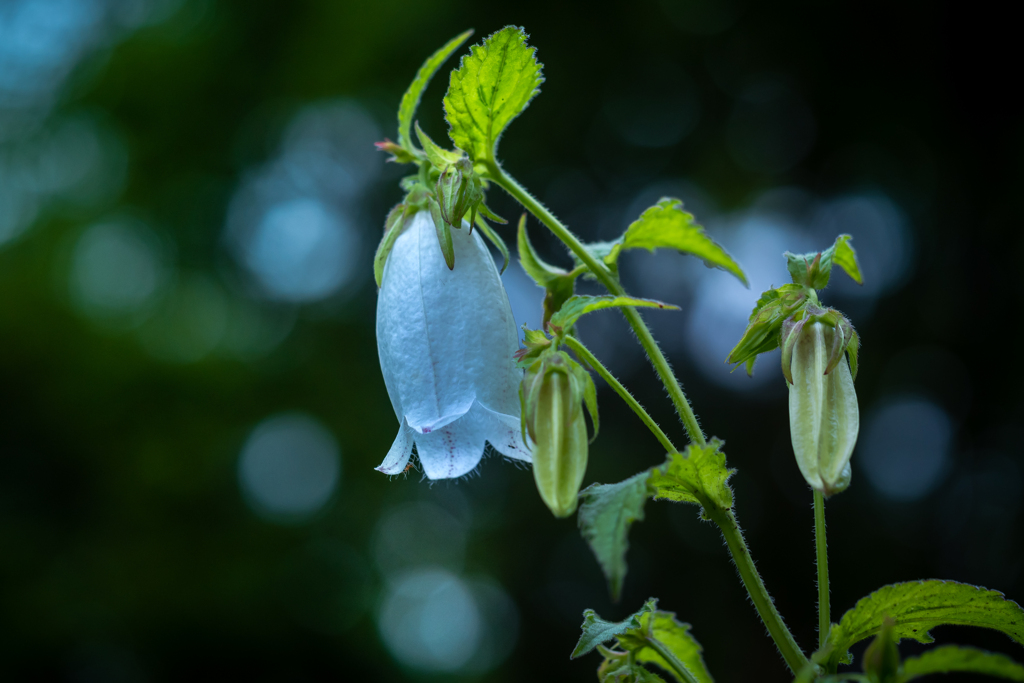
[
  {"x": 552, "y": 398},
  {"x": 882, "y": 658},
  {"x": 823, "y": 414}
]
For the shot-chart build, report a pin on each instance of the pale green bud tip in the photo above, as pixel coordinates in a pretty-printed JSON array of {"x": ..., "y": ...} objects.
[
  {"x": 553, "y": 414},
  {"x": 882, "y": 658},
  {"x": 824, "y": 418}
]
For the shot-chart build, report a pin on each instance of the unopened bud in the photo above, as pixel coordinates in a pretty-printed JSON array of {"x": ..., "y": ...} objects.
[
  {"x": 882, "y": 658},
  {"x": 553, "y": 416},
  {"x": 823, "y": 414}
]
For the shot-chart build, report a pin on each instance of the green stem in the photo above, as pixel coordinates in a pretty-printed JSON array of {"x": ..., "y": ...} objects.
[
  {"x": 671, "y": 659},
  {"x": 821, "y": 547},
  {"x": 726, "y": 521},
  {"x": 584, "y": 354},
  {"x": 611, "y": 283}
]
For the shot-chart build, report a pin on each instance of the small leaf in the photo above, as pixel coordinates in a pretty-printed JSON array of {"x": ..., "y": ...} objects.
[
  {"x": 949, "y": 658},
  {"x": 495, "y": 239},
  {"x": 606, "y": 512},
  {"x": 762, "y": 334},
  {"x": 392, "y": 229},
  {"x": 438, "y": 156},
  {"x": 597, "y": 631},
  {"x": 411, "y": 98},
  {"x": 676, "y": 637},
  {"x": 557, "y": 283},
  {"x": 444, "y": 235},
  {"x": 918, "y": 606},
  {"x": 697, "y": 476},
  {"x": 576, "y": 306},
  {"x": 666, "y": 225},
  {"x": 846, "y": 258},
  {"x": 492, "y": 85},
  {"x": 589, "y": 396}
]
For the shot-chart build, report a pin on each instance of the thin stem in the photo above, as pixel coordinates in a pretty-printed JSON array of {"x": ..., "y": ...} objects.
[
  {"x": 671, "y": 659},
  {"x": 611, "y": 283},
  {"x": 821, "y": 547},
  {"x": 584, "y": 354},
  {"x": 726, "y": 521}
]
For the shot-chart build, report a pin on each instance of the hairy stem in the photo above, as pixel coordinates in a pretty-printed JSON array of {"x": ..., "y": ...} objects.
[
  {"x": 673, "y": 661},
  {"x": 821, "y": 548},
  {"x": 726, "y": 521},
  {"x": 611, "y": 283},
  {"x": 584, "y": 354}
]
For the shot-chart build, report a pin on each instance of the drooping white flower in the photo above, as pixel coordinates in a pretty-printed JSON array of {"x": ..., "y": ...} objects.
[{"x": 446, "y": 340}]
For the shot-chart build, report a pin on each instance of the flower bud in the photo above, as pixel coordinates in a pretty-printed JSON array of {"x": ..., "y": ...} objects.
[
  {"x": 882, "y": 658},
  {"x": 553, "y": 414},
  {"x": 823, "y": 414}
]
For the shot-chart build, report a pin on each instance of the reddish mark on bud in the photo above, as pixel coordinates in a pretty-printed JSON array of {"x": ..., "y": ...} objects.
[{"x": 518, "y": 355}]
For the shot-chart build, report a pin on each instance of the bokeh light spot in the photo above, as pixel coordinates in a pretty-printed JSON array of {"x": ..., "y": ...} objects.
[
  {"x": 289, "y": 467},
  {"x": 905, "y": 448}
]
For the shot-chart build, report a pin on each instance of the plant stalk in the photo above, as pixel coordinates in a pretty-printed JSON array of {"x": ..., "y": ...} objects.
[
  {"x": 726, "y": 521},
  {"x": 590, "y": 359},
  {"x": 611, "y": 283},
  {"x": 821, "y": 548}
]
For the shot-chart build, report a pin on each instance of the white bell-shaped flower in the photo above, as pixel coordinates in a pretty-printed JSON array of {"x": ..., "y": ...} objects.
[{"x": 446, "y": 340}]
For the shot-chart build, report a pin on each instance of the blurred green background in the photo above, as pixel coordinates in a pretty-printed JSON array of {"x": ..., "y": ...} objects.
[{"x": 192, "y": 407}]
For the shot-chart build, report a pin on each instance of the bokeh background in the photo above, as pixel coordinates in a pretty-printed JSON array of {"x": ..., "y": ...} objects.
[{"x": 191, "y": 402}]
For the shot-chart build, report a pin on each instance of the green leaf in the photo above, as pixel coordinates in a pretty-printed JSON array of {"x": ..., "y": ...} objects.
[
  {"x": 697, "y": 476},
  {"x": 576, "y": 306},
  {"x": 845, "y": 257},
  {"x": 557, "y": 283},
  {"x": 411, "y": 98},
  {"x": 535, "y": 342},
  {"x": 492, "y": 85},
  {"x": 666, "y": 225},
  {"x": 597, "y": 631},
  {"x": 606, "y": 512},
  {"x": 676, "y": 637},
  {"x": 762, "y": 333},
  {"x": 918, "y": 606},
  {"x": 589, "y": 396},
  {"x": 620, "y": 667},
  {"x": 949, "y": 658},
  {"x": 438, "y": 156},
  {"x": 392, "y": 229}
]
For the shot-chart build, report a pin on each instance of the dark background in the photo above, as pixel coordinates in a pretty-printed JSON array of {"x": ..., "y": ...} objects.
[{"x": 129, "y": 549}]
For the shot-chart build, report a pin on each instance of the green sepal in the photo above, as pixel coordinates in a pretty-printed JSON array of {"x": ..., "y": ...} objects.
[
  {"x": 586, "y": 383},
  {"x": 444, "y": 235},
  {"x": 487, "y": 213},
  {"x": 950, "y": 658},
  {"x": 492, "y": 85},
  {"x": 698, "y": 475},
  {"x": 815, "y": 268},
  {"x": 576, "y": 306},
  {"x": 852, "y": 349},
  {"x": 398, "y": 153},
  {"x": 393, "y": 225},
  {"x": 439, "y": 157},
  {"x": 495, "y": 239},
  {"x": 535, "y": 342},
  {"x": 667, "y": 226},
  {"x": 411, "y": 98},
  {"x": 606, "y": 512},
  {"x": 765, "y": 324},
  {"x": 557, "y": 283},
  {"x": 918, "y": 606}
]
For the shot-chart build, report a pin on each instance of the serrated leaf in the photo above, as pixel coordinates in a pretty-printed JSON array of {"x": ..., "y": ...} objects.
[
  {"x": 596, "y": 631},
  {"x": 492, "y": 85},
  {"x": 411, "y": 98},
  {"x": 698, "y": 475},
  {"x": 576, "y": 306},
  {"x": 606, "y": 512},
  {"x": 844, "y": 256},
  {"x": 949, "y": 658},
  {"x": 676, "y": 637},
  {"x": 918, "y": 606},
  {"x": 666, "y": 226},
  {"x": 438, "y": 156},
  {"x": 392, "y": 229}
]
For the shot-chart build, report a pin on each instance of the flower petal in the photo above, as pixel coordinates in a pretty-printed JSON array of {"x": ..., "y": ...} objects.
[
  {"x": 504, "y": 434},
  {"x": 455, "y": 449},
  {"x": 401, "y": 450}
]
